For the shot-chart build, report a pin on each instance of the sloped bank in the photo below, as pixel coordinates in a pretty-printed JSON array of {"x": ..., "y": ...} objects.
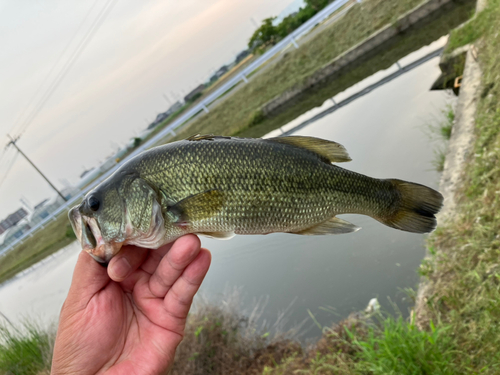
[
  {"x": 460, "y": 148},
  {"x": 379, "y": 51},
  {"x": 462, "y": 271},
  {"x": 363, "y": 51},
  {"x": 459, "y": 151}
]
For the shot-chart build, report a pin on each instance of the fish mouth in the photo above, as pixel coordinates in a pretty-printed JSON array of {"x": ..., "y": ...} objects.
[{"x": 89, "y": 235}]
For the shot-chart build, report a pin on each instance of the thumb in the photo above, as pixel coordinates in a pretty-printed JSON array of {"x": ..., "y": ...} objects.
[{"x": 89, "y": 277}]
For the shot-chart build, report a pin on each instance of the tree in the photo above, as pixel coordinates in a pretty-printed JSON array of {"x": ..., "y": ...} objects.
[
  {"x": 293, "y": 21},
  {"x": 317, "y": 5},
  {"x": 266, "y": 34}
]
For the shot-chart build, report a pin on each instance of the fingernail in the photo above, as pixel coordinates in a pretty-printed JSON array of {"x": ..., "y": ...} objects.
[{"x": 121, "y": 268}]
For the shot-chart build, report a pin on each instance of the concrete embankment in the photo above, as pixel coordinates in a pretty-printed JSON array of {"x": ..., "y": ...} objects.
[
  {"x": 459, "y": 150},
  {"x": 365, "y": 50}
]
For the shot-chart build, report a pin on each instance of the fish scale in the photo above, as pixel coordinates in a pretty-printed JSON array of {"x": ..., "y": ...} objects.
[
  {"x": 220, "y": 186},
  {"x": 291, "y": 187}
]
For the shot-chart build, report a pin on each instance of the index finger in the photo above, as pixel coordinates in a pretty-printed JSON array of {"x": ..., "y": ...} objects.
[
  {"x": 89, "y": 277},
  {"x": 126, "y": 262}
]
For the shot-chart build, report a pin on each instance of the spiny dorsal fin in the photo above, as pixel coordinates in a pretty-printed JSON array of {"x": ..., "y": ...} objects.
[
  {"x": 206, "y": 137},
  {"x": 332, "y": 151},
  {"x": 330, "y": 226},
  {"x": 197, "y": 207}
]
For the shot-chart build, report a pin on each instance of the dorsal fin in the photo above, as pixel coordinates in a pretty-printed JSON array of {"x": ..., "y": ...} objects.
[
  {"x": 333, "y": 152},
  {"x": 206, "y": 137}
]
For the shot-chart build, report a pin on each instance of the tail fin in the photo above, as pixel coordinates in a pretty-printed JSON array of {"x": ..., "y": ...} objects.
[{"x": 416, "y": 208}]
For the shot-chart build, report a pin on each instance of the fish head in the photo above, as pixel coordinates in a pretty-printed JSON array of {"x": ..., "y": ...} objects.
[{"x": 124, "y": 209}]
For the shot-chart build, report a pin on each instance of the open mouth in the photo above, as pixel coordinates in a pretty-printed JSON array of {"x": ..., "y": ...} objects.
[{"x": 89, "y": 235}]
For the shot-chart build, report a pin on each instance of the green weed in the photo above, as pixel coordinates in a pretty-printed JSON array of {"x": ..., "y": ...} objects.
[
  {"x": 465, "y": 272},
  {"x": 399, "y": 347},
  {"x": 26, "y": 350}
]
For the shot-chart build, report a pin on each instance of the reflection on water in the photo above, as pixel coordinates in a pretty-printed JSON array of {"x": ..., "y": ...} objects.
[
  {"x": 40, "y": 291},
  {"x": 384, "y": 134}
]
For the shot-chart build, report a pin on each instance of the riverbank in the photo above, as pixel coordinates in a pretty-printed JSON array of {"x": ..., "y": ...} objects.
[
  {"x": 370, "y": 37},
  {"x": 53, "y": 237},
  {"x": 463, "y": 270}
]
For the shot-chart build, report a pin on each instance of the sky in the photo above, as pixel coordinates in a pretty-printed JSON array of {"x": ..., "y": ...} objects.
[{"x": 78, "y": 79}]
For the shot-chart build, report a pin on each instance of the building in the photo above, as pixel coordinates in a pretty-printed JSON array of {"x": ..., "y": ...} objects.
[
  {"x": 242, "y": 55},
  {"x": 162, "y": 116},
  {"x": 16, "y": 232},
  {"x": 195, "y": 94},
  {"x": 174, "y": 107},
  {"x": 12, "y": 219}
]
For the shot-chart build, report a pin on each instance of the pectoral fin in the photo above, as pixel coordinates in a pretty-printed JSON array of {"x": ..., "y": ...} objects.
[
  {"x": 330, "y": 226},
  {"x": 333, "y": 152},
  {"x": 197, "y": 207}
]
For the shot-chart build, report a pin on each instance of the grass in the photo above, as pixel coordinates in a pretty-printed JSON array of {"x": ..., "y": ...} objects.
[
  {"x": 447, "y": 125},
  {"x": 220, "y": 340},
  {"x": 375, "y": 346},
  {"x": 441, "y": 133},
  {"x": 237, "y": 115},
  {"x": 465, "y": 271},
  {"x": 53, "y": 237},
  {"x": 25, "y": 351},
  {"x": 470, "y": 31},
  {"x": 399, "y": 347}
]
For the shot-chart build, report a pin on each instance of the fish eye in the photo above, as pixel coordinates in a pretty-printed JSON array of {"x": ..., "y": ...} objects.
[{"x": 94, "y": 203}]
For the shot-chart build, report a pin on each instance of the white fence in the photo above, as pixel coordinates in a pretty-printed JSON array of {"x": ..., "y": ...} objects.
[{"x": 202, "y": 106}]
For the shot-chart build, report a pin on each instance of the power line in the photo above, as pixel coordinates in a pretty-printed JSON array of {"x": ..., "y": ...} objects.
[
  {"x": 13, "y": 143},
  {"x": 22, "y": 114},
  {"x": 69, "y": 64},
  {"x": 11, "y": 164}
]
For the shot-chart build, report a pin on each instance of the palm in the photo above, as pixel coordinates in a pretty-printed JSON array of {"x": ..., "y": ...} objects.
[{"x": 134, "y": 326}]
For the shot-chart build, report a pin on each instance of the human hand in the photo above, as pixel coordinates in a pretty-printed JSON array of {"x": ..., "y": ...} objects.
[{"x": 129, "y": 320}]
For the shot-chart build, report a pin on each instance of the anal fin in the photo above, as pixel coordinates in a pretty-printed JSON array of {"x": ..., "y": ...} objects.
[
  {"x": 218, "y": 235},
  {"x": 330, "y": 226}
]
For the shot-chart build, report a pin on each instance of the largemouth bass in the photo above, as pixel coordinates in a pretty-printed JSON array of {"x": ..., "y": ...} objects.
[{"x": 222, "y": 186}]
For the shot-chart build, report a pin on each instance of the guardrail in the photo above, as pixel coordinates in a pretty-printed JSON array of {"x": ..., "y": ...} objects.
[{"x": 202, "y": 106}]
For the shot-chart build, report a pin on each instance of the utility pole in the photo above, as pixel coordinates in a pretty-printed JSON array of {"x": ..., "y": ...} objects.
[
  {"x": 13, "y": 143},
  {"x": 166, "y": 99}
]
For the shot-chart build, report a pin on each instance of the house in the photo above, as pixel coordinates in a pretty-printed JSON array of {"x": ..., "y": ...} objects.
[
  {"x": 16, "y": 232},
  {"x": 195, "y": 94},
  {"x": 174, "y": 107},
  {"x": 162, "y": 116},
  {"x": 240, "y": 56},
  {"x": 12, "y": 219}
]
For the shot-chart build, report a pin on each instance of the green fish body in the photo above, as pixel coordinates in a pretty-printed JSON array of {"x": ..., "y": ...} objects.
[{"x": 221, "y": 186}]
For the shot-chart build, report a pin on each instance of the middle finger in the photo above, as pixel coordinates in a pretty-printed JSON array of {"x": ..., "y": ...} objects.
[{"x": 184, "y": 250}]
